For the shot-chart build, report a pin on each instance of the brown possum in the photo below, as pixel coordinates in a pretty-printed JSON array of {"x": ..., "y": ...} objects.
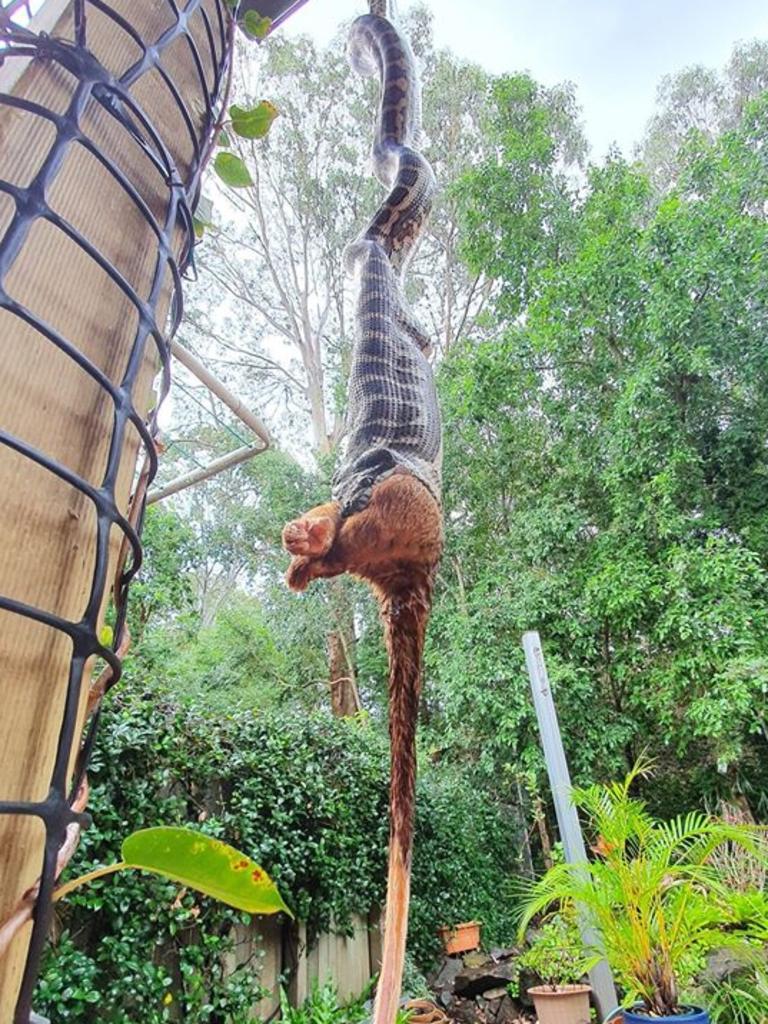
[{"x": 394, "y": 544}]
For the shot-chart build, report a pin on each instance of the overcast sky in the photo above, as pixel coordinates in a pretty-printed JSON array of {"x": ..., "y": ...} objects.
[{"x": 615, "y": 51}]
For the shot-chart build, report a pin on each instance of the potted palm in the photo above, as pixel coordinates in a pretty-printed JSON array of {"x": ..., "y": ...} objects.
[
  {"x": 654, "y": 892},
  {"x": 556, "y": 957}
]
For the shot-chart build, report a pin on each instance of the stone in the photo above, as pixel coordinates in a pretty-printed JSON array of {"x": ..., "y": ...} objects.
[
  {"x": 497, "y": 953},
  {"x": 446, "y": 975},
  {"x": 475, "y": 959},
  {"x": 508, "y": 1011},
  {"x": 495, "y": 993},
  {"x": 445, "y": 998},
  {"x": 474, "y": 981},
  {"x": 721, "y": 964},
  {"x": 526, "y": 980},
  {"x": 464, "y": 1011}
]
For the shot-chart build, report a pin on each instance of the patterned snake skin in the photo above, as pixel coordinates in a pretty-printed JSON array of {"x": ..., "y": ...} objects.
[{"x": 393, "y": 419}]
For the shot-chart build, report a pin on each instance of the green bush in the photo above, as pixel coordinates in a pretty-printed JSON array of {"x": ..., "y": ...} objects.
[
  {"x": 465, "y": 855},
  {"x": 556, "y": 954},
  {"x": 305, "y": 796},
  {"x": 322, "y": 1006}
]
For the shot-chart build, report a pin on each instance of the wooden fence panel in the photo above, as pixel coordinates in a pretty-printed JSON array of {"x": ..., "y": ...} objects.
[{"x": 279, "y": 955}]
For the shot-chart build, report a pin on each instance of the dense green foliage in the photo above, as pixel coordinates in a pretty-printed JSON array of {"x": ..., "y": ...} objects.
[
  {"x": 306, "y": 798},
  {"x": 607, "y": 472},
  {"x": 322, "y": 1007}
]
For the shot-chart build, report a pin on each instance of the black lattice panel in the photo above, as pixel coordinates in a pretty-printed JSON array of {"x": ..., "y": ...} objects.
[{"x": 105, "y": 124}]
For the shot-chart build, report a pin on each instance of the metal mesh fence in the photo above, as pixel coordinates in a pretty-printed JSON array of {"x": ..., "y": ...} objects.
[{"x": 101, "y": 102}]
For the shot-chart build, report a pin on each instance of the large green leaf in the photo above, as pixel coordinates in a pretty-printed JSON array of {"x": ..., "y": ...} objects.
[
  {"x": 232, "y": 171},
  {"x": 206, "y": 864},
  {"x": 253, "y": 123}
]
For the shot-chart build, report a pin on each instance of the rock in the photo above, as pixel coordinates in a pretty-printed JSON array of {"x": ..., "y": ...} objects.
[
  {"x": 508, "y": 1011},
  {"x": 464, "y": 1011},
  {"x": 721, "y": 964},
  {"x": 475, "y": 959},
  {"x": 446, "y": 975},
  {"x": 474, "y": 981},
  {"x": 498, "y": 954},
  {"x": 445, "y": 998},
  {"x": 484, "y": 1014},
  {"x": 526, "y": 979},
  {"x": 495, "y": 993}
]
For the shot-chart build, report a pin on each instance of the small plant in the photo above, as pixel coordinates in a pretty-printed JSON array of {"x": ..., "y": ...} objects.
[
  {"x": 741, "y": 998},
  {"x": 654, "y": 892},
  {"x": 557, "y": 954},
  {"x": 322, "y": 1006},
  {"x": 414, "y": 983}
]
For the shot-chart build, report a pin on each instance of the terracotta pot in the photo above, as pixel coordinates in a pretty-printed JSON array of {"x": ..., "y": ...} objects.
[
  {"x": 461, "y": 938},
  {"x": 566, "y": 1004}
]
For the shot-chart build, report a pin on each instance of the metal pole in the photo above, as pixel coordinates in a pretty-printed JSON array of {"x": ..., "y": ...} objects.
[
  {"x": 600, "y": 976},
  {"x": 198, "y": 475},
  {"x": 240, "y": 409}
]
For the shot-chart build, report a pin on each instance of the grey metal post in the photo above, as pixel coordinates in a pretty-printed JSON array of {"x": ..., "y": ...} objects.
[{"x": 600, "y": 976}]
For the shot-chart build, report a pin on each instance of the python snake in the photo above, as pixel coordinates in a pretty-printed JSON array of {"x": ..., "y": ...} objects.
[{"x": 393, "y": 420}]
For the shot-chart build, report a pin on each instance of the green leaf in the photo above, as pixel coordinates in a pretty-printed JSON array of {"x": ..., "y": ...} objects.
[
  {"x": 106, "y": 636},
  {"x": 255, "y": 25},
  {"x": 199, "y": 227},
  {"x": 253, "y": 123},
  {"x": 232, "y": 170},
  {"x": 205, "y": 864},
  {"x": 223, "y": 139}
]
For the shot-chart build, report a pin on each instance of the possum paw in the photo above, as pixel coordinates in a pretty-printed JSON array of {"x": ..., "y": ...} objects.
[
  {"x": 309, "y": 536},
  {"x": 299, "y": 573}
]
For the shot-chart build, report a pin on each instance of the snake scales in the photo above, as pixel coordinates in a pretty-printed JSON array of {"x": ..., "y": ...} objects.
[{"x": 393, "y": 420}]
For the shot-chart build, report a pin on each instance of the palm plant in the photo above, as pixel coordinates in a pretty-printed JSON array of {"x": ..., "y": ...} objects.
[{"x": 652, "y": 891}]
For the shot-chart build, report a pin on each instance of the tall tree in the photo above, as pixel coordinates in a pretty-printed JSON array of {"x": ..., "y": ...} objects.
[
  {"x": 456, "y": 104},
  {"x": 527, "y": 179},
  {"x": 607, "y": 474},
  {"x": 700, "y": 99}
]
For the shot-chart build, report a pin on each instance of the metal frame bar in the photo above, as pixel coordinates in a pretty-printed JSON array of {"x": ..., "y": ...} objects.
[{"x": 235, "y": 405}]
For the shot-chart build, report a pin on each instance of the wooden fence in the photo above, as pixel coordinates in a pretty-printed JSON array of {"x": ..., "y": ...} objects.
[{"x": 279, "y": 954}]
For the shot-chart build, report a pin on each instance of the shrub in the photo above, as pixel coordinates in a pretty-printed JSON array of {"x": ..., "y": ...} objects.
[
  {"x": 306, "y": 796},
  {"x": 556, "y": 954}
]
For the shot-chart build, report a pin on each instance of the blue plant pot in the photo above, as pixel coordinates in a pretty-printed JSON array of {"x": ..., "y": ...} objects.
[{"x": 692, "y": 1015}]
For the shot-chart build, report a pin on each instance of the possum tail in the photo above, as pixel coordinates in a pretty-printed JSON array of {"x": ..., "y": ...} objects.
[{"x": 404, "y": 602}]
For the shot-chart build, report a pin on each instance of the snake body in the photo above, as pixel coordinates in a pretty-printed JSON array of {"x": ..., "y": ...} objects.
[{"x": 393, "y": 420}]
